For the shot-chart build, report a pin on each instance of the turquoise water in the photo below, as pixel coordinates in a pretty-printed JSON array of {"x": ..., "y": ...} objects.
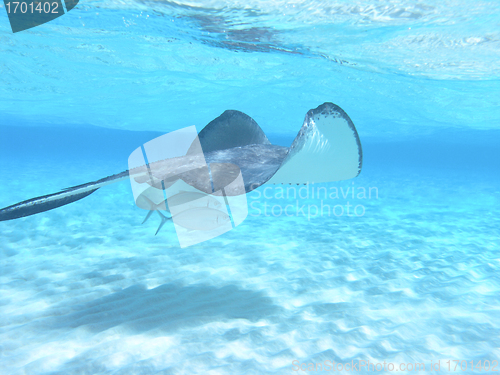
[{"x": 87, "y": 289}]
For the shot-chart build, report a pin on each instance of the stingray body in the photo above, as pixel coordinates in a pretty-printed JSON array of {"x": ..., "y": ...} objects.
[{"x": 327, "y": 148}]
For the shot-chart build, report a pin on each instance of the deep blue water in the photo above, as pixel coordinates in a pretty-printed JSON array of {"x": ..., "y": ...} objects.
[{"x": 87, "y": 289}]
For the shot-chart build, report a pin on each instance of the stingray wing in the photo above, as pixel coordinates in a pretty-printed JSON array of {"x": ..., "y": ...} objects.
[
  {"x": 326, "y": 149},
  {"x": 231, "y": 129}
]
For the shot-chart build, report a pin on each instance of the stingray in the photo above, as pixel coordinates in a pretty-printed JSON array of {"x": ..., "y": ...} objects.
[{"x": 327, "y": 148}]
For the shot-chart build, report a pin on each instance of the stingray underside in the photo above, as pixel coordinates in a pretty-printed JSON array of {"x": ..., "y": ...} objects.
[
  {"x": 326, "y": 149},
  {"x": 257, "y": 163}
]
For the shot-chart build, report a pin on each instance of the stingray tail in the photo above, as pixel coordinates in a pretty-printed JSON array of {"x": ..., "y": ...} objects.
[
  {"x": 40, "y": 204},
  {"x": 49, "y": 202}
]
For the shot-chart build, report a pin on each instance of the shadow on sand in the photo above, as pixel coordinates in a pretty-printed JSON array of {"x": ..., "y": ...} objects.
[{"x": 168, "y": 307}]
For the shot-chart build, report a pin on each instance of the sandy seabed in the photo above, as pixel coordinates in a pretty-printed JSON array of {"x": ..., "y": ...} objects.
[{"x": 87, "y": 289}]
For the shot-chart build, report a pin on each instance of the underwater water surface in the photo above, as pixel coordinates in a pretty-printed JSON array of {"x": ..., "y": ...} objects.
[{"x": 409, "y": 275}]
